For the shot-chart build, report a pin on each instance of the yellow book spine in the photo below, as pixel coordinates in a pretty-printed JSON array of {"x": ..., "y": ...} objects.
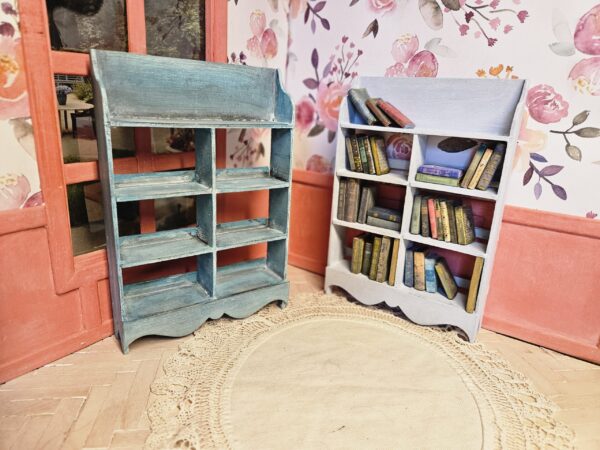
[
  {"x": 480, "y": 168},
  {"x": 394, "y": 262},
  {"x": 419, "y": 272},
  {"x": 474, "y": 285},
  {"x": 375, "y": 152},
  {"x": 445, "y": 221}
]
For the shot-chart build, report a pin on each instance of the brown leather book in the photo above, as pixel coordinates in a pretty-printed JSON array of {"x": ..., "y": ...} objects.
[
  {"x": 381, "y": 117},
  {"x": 394, "y": 113}
]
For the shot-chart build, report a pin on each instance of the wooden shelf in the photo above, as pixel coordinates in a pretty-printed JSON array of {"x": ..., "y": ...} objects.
[
  {"x": 490, "y": 194},
  {"x": 145, "y": 91},
  {"x": 437, "y": 106},
  {"x": 368, "y": 228},
  {"x": 473, "y": 249},
  {"x": 245, "y": 276},
  {"x": 398, "y": 177},
  {"x": 241, "y": 180},
  {"x": 161, "y": 246},
  {"x": 165, "y": 294},
  {"x": 246, "y": 232},
  {"x": 220, "y": 123},
  {"x": 147, "y": 186}
]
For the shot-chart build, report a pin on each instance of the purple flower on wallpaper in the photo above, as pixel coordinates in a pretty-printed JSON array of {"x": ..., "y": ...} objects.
[
  {"x": 14, "y": 190},
  {"x": 591, "y": 215},
  {"x": 587, "y": 33},
  {"x": 476, "y": 18},
  {"x": 408, "y": 62},
  {"x": 585, "y": 76},
  {"x": 545, "y": 105}
]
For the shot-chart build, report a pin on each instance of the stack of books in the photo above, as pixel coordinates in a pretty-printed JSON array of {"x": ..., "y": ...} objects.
[
  {"x": 376, "y": 257},
  {"x": 479, "y": 173},
  {"x": 376, "y": 111},
  {"x": 442, "y": 219},
  {"x": 425, "y": 271},
  {"x": 356, "y": 203},
  {"x": 367, "y": 154}
]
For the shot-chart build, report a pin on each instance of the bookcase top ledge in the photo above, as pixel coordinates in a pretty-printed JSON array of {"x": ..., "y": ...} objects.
[
  {"x": 156, "y": 91},
  {"x": 461, "y": 107}
]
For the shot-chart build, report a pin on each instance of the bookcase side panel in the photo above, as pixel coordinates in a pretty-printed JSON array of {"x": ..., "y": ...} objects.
[
  {"x": 204, "y": 142},
  {"x": 281, "y": 153},
  {"x": 277, "y": 257}
]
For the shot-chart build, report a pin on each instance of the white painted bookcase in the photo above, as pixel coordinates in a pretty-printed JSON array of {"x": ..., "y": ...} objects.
[{"x": 481, "y": 109}]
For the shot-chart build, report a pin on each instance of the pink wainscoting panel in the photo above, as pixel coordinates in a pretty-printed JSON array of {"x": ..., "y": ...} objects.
[
  {"x": 546, "y": 282},
  {"x": 309, "y": 221}
]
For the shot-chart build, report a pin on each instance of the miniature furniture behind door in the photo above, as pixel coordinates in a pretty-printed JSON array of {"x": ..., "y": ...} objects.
[{"x": 149, "y": 91}]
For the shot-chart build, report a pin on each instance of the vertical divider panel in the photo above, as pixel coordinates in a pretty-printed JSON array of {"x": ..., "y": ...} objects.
[
  {"x": 281, "y": 153},
  {"x": 277, "y": 257},
  {"x": 206, "y": 207}
]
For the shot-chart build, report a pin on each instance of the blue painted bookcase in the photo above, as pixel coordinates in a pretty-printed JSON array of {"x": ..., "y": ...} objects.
[{"x": 148, "y": 91}]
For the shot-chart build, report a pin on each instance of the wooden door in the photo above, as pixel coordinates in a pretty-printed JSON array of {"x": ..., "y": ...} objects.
[{"x": 55, "y": 297}]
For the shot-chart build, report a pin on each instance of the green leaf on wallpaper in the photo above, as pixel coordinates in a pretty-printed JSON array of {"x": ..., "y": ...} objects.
[
  {"x": 354, "y": 2},
  {"x": 432, "y": 14},
  {"x": 573, "y": 152},
  {"x": 453, "y": 5},
  {"x": 580, "y": 118},
  {"x": 316, "y": 130},
  {"x": 588, "y": 132},
  {"x": 559, "y": 191}
]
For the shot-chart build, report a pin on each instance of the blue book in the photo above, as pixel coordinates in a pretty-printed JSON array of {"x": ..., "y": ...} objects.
[
  {"x": 409, "y": 262},
  {"x": 430, "y": 276},
  {"x": 440, "y": 171}
]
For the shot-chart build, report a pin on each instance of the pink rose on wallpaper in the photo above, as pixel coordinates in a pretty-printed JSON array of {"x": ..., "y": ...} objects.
[
  {"x": 317, "y": 163},
  {"x": 264, "y": 42},
  {"x": 382, "y": 6},
  {"x": 399, "y": 146},
  {"x": 585, "y": 76},
  {"x": 408, "y": 62},
  {"x": 423, "y": 64},
  {"x": 13, "y": 85},
  {"x": 404, "y": 48},
  {"x": 587, "y": 33},
  {"x": 545, "y": 105},
  {"x": 14, "y": 190},
  {"x": 329, "y": 98},
  {"x": 305, "y": 114}
]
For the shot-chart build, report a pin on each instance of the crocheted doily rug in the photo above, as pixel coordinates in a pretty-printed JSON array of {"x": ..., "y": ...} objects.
[{"x": 327, "y": 373}]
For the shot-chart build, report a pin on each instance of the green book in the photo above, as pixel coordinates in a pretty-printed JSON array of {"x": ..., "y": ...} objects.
[
  {"x": 436, "y": 179},
  {"x": 491, "y": 167},
  {"x": 367, "y": 255},
  {"x": 356, "y": 154},
  {"x": 415, "y": 219},
  {"x": 363, "y": 155},
  {"x": 341, "y": 209},
  {"x": 382, "y": 223},
  {"x": 381, "y": 162},
  {"x": 358, "y": 247},
  {"x": 384, "y": 257},
  {"x": 446, "y": 279},
  {"x": 425, "y": 217},
  {"x": 452, "y": 222},
  {"x": 370, "y": 156},
  {"x": 466, "y": 179},
  {"x": 394, "y": 262},
  {"x": 367, "y": 201},
  {"x": 375, "y": 257}
]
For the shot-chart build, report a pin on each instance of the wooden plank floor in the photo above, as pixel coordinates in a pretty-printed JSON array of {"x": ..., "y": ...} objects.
[{"x": 96, "y": 398}]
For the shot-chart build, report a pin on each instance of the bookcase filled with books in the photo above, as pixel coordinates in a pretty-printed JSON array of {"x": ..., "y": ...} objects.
[{"x": 420, "y": 233}]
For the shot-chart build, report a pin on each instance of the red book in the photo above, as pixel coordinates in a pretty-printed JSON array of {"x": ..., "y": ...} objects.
[
  {"x": 433, "y": 231},
  {"x": 393, "y": 113}
]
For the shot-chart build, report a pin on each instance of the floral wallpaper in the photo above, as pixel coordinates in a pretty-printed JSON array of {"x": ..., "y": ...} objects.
[
  {"x": 19, "y": 178},
  {"x": 554, "y": 44},
  {"x": 257, "y": 36}
]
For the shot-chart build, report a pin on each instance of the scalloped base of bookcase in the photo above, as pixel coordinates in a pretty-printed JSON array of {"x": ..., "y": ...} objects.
[
  {"x": 186, "y": 320},
  {"x": 420, "y": 307}
]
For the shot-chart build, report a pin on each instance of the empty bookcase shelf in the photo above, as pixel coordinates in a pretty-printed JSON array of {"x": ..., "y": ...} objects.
[
  {"x": 439, "y": 108},
  {"x": 145, "y": 91}
]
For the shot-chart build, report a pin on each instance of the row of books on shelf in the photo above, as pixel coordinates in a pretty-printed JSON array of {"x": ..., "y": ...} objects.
[
  {"x": 376, "y": 257},
  {"x": 366, "y": 154},
  {"x": 442, "y": 219},
  {"x": 425, "y": 271},
  {"x": 356, "y": 203},
  {"x": 377, "y": 111},
  {"x": 479, "y": 174}
]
